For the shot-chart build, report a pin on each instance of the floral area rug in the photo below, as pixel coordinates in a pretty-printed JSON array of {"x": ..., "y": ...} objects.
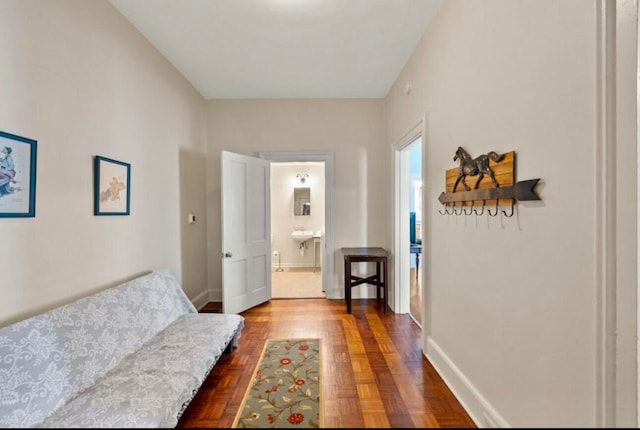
[{"x": 285, "y": 390}]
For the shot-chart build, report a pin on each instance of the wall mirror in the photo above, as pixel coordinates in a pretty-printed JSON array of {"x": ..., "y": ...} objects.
[{"x": 301, "y": 201}]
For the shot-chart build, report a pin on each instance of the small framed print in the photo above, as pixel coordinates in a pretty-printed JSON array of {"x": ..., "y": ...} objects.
[
  {"x": 112, "y": 186},
  {"x": 17, "y": 176}
]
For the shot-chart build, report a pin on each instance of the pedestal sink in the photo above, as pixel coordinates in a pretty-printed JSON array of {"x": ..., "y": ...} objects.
[{"x": 302, "y": 235}]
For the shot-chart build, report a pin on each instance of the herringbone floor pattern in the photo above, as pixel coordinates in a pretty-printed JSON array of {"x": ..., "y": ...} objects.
[{"x": 374, "y": 374}]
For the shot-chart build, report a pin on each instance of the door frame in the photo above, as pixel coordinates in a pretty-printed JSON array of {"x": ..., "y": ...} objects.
[
  {"x": 401, "y": 224},
  {"x": 327, "y": 158}
]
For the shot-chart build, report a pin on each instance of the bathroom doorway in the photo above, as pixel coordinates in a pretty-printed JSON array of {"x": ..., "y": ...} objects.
[{"x": 300, "y": 224}]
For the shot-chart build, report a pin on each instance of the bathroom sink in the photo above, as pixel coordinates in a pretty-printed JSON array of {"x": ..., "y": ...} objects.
[{"x": 302, "y": 235}]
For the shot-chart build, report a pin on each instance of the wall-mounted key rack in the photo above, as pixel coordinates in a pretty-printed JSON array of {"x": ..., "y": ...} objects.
[{"x": 494, "y": 184}]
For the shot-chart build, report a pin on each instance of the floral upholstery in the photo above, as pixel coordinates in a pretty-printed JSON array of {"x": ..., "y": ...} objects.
[{"x": 130, "y": 356}]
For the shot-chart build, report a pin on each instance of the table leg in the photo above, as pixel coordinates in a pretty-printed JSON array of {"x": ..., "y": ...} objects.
[
  {"x": 384, "y": 283},
  {"x": 378, "y": 279},
  {"x": 315, "y": 254},
  {"x": 347, "y": 283}
]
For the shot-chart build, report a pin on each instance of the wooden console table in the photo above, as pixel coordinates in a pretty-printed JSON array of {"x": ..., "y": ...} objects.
[{"x": 379, "y": 280}]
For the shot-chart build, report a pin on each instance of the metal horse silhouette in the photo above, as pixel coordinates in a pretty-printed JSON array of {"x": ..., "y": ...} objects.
[{"x": 475, "y": 166}]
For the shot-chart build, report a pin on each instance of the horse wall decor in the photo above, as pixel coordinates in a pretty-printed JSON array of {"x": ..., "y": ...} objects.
[
  {"x": 475, "y": 166},
  {"x": 507, "y": 192}
]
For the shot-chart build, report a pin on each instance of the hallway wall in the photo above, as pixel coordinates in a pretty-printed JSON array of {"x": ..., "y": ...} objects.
[{"x": 513, "y": 305}]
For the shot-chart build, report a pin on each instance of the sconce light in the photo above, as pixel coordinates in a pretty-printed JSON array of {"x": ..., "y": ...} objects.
[{"x": 303, "y": 177}]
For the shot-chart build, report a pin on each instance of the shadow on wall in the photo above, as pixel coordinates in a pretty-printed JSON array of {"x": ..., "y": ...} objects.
[{"x": 193, "y": 223}]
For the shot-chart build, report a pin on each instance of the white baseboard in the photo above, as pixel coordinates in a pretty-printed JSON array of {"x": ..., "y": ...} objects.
[
  {"x": 283, "y": 265},
  {"x": 479, "y": 409},
  {"x": 201, "y": 299}
]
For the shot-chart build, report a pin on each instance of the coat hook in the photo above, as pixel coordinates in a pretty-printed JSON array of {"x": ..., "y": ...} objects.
[
  {"x": 505, "y": 212},
  {"x": 496, "y": 213},
  {"x": 446, "y": 210},
  {"x": 470, "y": 212},
  {"x": 479, "y": 213},
  {"x": 456, "y": 212}
]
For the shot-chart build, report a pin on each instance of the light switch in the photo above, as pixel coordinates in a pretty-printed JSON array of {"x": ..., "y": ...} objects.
[{"x": 192, "y": 218}]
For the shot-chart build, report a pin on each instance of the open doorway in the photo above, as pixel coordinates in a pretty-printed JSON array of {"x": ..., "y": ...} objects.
[
  {"x": 409, "y": 263},
  {"x": 414, "y": 152},
  {"x": 317, "y": 249},
  {"x": 297, "y": 229}
]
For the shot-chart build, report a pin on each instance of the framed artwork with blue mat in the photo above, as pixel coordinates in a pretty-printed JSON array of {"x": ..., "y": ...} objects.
[
  {"x": 17, "y": 176},
  {"x": 112, "y": 186}
]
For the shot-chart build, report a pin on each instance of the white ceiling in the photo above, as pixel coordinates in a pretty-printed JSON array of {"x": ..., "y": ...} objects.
[{"x": 284, "y": 48}]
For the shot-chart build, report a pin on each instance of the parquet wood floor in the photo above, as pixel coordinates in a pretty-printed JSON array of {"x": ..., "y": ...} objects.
[{"x": 374, "y": 374}]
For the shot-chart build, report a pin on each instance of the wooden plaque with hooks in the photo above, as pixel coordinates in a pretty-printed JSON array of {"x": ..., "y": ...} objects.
[{"x": 491, "y": 182}]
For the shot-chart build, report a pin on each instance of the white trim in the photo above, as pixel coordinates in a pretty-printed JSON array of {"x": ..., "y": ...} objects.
[
  {"x": 401, "y": 225},
  {"x": 401, "y": 228},
  {"x": 637, "y": 221},
  {"x": 426, "y": 232},
  {"x": 327, "y": 158},
  {"x": 605, "y": 215},
  {"x": 414, "y": 132},
  {"x": 202, "y": 299},
  {"x": 474, "y": 403}
]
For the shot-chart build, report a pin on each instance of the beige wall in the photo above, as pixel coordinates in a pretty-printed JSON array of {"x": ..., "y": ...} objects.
[
  {"x": 352, "y": 129},
  {"x": 511, "y": 311},
  {"x": 79, "y": 79}
]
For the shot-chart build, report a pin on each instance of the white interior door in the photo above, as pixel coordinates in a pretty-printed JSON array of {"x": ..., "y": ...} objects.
[{"x": 246, "y": 232}]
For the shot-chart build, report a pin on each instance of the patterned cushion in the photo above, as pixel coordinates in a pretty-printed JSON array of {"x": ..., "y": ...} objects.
[
  {"x": 50, "y": 359},
  {"x": 152, "y": 387}
]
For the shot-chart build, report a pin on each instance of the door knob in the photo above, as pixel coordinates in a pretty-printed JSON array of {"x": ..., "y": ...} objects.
[{"x": 228, "y": 255}]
